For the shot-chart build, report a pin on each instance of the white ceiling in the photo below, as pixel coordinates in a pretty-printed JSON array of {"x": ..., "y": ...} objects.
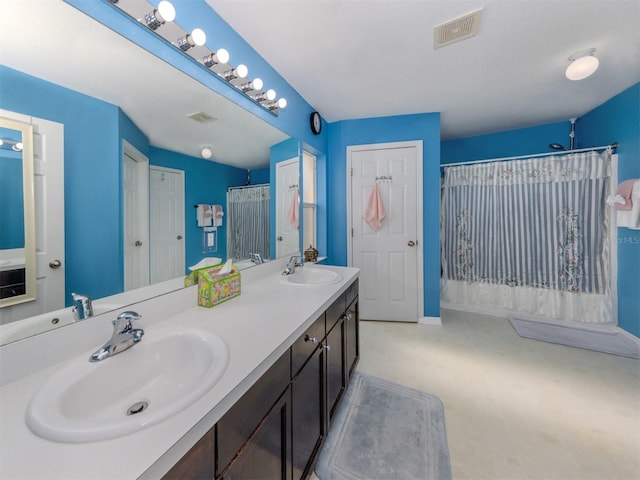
[{"x": 369, "y": 58}]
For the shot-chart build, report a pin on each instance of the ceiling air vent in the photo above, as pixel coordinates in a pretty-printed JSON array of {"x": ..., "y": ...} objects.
[
  {"x": 201, "y": 117},
  {"x": 456, "y": 29}
]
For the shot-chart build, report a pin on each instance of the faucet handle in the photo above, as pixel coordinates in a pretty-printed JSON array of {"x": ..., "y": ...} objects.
[{"x": 122, "y": 324}]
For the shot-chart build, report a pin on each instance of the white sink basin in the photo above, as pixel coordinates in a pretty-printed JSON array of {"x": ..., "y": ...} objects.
[
  {"x": 309, "y": 276},
  {"x": 85, "y": 402}
]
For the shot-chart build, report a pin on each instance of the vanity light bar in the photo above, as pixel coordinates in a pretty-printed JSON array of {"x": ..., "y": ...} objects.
[{"x": 193, "y": 45}]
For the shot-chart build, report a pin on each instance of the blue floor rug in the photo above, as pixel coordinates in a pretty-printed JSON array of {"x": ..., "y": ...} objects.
[{"x": 385, "y": 431}]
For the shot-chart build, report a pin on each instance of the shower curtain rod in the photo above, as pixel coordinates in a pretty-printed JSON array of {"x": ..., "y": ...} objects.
[
  {"x": 613, "y": 146},
  {"x": 247, "y": 186}
]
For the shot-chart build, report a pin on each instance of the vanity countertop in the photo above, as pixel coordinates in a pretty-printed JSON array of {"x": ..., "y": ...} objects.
[{"x": 258, "y": 327}]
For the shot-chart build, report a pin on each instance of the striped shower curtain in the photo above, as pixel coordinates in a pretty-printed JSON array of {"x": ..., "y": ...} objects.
[
  {"x": 248, "y": 221},
  {"x": 529, "y": 236}
]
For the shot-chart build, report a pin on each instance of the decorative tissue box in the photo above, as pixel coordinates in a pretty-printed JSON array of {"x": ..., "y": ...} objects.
[{"x": 214, "y": 288}]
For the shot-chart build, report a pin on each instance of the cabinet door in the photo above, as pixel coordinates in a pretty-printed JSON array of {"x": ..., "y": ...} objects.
[
  {"x": 267, "y": 453},
  {"x": 336, "y": 381},
  {"x": 239, "y": 423},
  {"x": 198, "y": 463},
  {"x": 352, "y": 348},
  {"x": 307, "y": 410}
]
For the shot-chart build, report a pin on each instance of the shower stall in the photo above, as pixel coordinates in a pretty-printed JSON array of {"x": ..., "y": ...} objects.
[{"x": 248, "y": 210}]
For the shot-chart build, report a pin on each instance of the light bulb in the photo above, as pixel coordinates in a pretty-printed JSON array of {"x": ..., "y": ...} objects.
[
  {"x": 1, "y": 141},
  {"x": 257, "y": 83},
  {"x": 17, "y": 147},
  {"x": 167, "y": 11},
  {"x": 242, "y": 71},
  {"x": 271, "y": 94},
  {"x": 199, "y": 37},
  {"x": 193, "y": 39},
  {"x": 582, "y": 68},
  {"x": 164, "y": 13},
  {"x": 250, "y": 86},
  {"x": 213, "y": 59},
  {"x": 206, "y": 152},
  {"x": 282, "y": 103},
  {"x": 223, "y": 55}
]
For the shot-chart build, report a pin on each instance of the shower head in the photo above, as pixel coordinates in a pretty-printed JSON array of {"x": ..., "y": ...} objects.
[{"x": 557, "y": 146}]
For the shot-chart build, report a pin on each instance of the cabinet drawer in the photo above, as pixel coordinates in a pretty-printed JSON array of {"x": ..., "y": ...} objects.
[
  {"x": 239, "y": 423},
  {"x": 304, "y": 347},
  {"x": 335, "y": 311}
]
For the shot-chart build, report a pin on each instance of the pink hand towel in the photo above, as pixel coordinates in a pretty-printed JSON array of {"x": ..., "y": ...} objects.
[
  {"x": 374, "y": 210},
  {"x": 624, "y": 190},
  {"x": 294, "y": 212}
]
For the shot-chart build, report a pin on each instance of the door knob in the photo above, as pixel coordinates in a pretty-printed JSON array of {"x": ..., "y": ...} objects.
[
  {"x": 411, "y": 243},
  {"x": 279, "y": 239},
  {"x": 138, "y": 243},
  {"x": 55, "y": 264},
  {"x": 179, "y": 237}
]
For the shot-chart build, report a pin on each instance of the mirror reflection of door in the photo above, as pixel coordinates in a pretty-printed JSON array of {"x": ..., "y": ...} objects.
[
  {"x": 136, "y": 218},
  {"x": 48, "y": 210},
  {"x": 166, "y": 223},
  {"x": 287, "y": 178}
]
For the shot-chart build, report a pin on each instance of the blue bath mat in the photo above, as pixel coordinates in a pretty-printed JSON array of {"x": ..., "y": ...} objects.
[{"x": 385, "y": 431}]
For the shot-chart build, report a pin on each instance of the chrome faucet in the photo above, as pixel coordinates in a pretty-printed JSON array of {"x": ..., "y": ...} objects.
[
  {"x": 124, "y": 336},
  {"x": 256, "y": 258},
  {"x": 82, "y": 307},
  {"x": 295, "y": 261}
]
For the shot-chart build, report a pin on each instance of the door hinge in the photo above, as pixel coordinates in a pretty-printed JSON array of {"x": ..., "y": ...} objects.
[
  {"x": 352, "y": 172},
  {"x": 352, "y": 234}
]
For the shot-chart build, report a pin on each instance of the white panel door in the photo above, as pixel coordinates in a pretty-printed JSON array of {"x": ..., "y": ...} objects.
[
  {"x": 388, "y": 257},
  {"x": 48, "y": 160},
  {"x": 166, "y": 223},
  {"x": 136, "y": 219},
  {"x": 287, "y": 178}
]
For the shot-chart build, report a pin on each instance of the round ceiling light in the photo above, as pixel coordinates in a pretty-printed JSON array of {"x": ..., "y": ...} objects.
[{"x": 583, "y": 64}]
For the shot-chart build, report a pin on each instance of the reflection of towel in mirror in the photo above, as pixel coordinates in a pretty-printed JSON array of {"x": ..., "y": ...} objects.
[
  {"x": 374, "y": 210},
  {"x": 204, "y": 215},
  {"x": 218, "y": 213},
  {"x": 294, "y": 212}
]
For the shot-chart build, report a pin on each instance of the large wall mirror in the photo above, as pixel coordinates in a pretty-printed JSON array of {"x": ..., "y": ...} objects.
[
  {"x": 17, "y": 220},
  {"x": 104, "y": 95}
]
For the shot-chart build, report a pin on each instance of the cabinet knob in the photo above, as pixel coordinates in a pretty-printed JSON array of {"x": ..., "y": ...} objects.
[
  {"x": 313, "y": 340},
  {"x": 326, "y": 346}
]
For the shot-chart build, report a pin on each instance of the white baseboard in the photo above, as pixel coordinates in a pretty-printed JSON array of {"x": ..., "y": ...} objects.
[{"x": 430, "y": 321}]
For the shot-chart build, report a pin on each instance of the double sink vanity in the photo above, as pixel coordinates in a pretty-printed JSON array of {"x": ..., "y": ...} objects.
[{"x": 246, "y": 389}]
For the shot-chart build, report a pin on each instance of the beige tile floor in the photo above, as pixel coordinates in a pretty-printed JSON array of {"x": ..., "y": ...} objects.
[{"x": 515, "y": 408}]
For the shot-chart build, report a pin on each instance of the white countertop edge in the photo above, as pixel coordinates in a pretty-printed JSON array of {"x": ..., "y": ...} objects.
[{"x": 154, "y": 450}]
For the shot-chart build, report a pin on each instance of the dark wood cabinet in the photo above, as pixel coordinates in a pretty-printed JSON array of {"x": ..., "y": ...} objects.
[
  {"x": 308, "y": 413},
  {"x": 267, "y": 453},
  {"x": 336, "y": 383},
  {"x": 198, "y": 463},
  {"x": 276, "y": 429},
  {"x": 352, "y": 340}
]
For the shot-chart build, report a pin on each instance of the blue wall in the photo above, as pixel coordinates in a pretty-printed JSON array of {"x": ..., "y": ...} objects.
[
  {"x": 205, "y": 182},
  {"x": 523, "y": 141},
  {"x": 92, "y": 178},
  {"x": 618, "y": 119},
  {"x": 425, "y": 127}
]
